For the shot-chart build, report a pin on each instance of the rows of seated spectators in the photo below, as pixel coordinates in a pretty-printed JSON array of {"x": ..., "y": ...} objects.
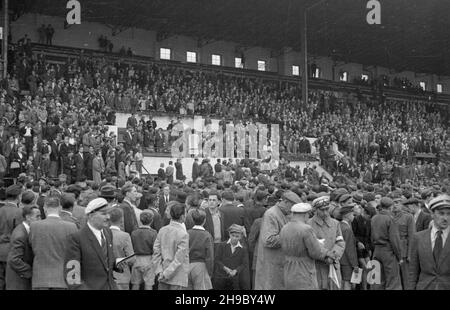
[{"x": 84, "y": 92}]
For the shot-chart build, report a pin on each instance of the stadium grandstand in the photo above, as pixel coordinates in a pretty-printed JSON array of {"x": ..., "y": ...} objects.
[{"x": 237, "y": 97}]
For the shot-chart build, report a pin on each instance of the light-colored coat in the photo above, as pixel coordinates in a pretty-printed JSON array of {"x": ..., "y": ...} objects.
[
  {"x": 301, "y": 249},
  {"x": 424, "y": 273},
  {"x": 122, "y": 247},
  {"x": 329, "y": 230},
  {"x": 171, "y": 254},
  {"x": 97, "y": 170},
  {"x": 270, "y": 259},
  {"x": 49, "y": 242}
]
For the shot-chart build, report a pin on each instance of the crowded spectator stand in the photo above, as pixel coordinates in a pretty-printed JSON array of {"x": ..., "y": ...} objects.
[{"x": 58, "y": 153}]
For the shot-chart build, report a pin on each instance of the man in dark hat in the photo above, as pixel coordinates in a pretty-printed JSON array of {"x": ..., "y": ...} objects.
[
  {"x": 386, "y": 242},
  {"x": 10, "y": 217},
  {"x": 430, "y": 248}
]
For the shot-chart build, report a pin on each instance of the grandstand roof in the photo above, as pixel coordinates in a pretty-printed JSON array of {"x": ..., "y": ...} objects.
[{"x": 414, "y": 35}]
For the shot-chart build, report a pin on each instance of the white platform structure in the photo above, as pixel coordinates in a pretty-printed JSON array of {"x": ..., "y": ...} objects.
[{"x": 152, "y": 163}]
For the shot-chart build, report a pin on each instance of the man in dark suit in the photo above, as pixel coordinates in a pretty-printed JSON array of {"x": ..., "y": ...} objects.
[
  {"x": 195, "y": 170},
  {"x": 165, "y": 197},
  {"x": 179, "y": 170},
  {"x": 161, "y": 172},
  {"x": 421, "y": 219},
  {"x": 218, "y": 166},
  {"x": 10, "y": 217},
  {"x": 89, "y": 157},
  {"x": 430, "y": 250},
  {"x": 3, "y": 138},
  {"x": 169, "y": 172},
  {"x": 231, "y": 213},
  {"x": 20, "y": 257},
  {"x": 90, "y": 259},
  {"x": 129, "y": 139},
  {"x": 54, "y": 159},
  {"x": 80, "y": 164},
  {"x": 49, "y": 243},
  {"x": 132, "y": 121},
  {"x": 214, "y": 219}
]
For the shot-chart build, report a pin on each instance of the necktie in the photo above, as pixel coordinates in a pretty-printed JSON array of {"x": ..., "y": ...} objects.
[
  {"x": 437, "y": 246},
  {"x": 167, "y": 199},
  {"x": 104, "y": 246}
]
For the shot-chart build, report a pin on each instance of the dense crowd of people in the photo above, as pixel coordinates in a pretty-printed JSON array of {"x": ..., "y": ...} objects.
[
  {"x": 233, "y": 227},
  {"x": 75, "y": 198}
]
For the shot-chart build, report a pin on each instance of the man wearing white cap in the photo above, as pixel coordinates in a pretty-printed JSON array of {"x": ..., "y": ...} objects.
[
  {"x": 429, "y": 268},
  {"x": 328, "y": 230},
  {"x": 301, "y": 248},
  {"x": 90, "y": 258}
]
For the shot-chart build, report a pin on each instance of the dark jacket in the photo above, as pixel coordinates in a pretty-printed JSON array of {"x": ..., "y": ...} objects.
[
  {"x": 361, "y": 228},
  {"x": 143, "y": 239},
  {"x": 232, "y": 215},
  {"x": 80, "y": 166},
  {"x": 95, "y": 270},
  {"x": 10, "y": 217},
  {"x": 384, "y": 232},
  {"x": 129, "y": 217},
  {"x": 235, "y": 261},
  {"x": 20, "y": 260},
  {"x": 349, "y": 258},
  {"x": 424, "y": 272},
  {"x": 201, "y": 248},
  {"x": 423, "y": 221},
  {"x": 209, "y": 225}
]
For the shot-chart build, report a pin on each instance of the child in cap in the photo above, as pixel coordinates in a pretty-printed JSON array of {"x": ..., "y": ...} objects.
[{"x": 231, "y": 265}]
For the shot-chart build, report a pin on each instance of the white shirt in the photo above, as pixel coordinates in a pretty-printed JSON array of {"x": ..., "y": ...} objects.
[
  {"x": 233, "y": 247},
  {"x": 198, "y": 227},
  {"x": 114, "y": 227},
  {"x": 54, "y": 215},
  {"x": 27, "y": 227},
  {"x": 217, "y": 228},
  {"x": 434, "y": 231},
  {"x": 416, "y": 215},
  {"x": 97, "y": 233}
]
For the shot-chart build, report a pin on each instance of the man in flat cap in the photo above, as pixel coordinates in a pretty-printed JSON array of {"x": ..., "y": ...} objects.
[
  {"x": 421, "y": 219},
  {"x": 386, "y": 242},
  {"x": 10, "y": 217},
  {"x": 430, "y": 250},
  {"x": 406, "y": 229},
  {"x": 328, "y": 229},
  {"x": 301, "y": 249},
  {"x": 270, "y": 259},
  {"x": 90, "y": 259}
]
